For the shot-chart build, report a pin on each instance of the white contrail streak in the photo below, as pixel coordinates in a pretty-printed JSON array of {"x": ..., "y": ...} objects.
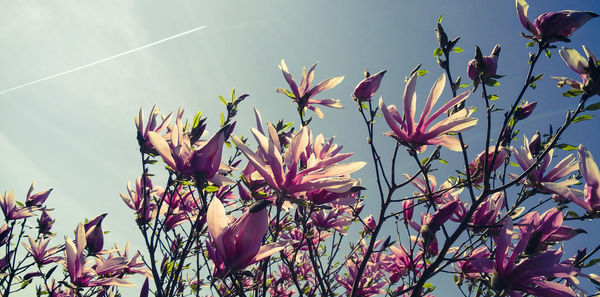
[{"x": 102, "y": 60}]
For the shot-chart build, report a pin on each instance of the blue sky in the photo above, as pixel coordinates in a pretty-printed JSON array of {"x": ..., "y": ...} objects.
[{"x": 75, "y": 133}]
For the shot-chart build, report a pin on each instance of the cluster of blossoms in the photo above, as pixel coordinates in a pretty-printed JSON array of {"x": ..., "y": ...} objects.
[
  {"x": 89, "y": 268},
  {"x": 274, "y": 218}
]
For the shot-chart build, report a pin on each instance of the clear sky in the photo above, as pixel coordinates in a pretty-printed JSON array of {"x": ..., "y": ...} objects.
[{"x": 75, "y": 133}]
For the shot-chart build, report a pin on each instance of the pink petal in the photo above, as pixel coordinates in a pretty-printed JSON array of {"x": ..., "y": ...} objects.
[
  {"x": 325, "y": 85},
  {"x": 459, "y": 98},
  {"x": 522, "y": 8},
  {"x": 289, "y": 79},
  {"x": 574, "y": 60},
  {"x": 410, "y": 101},
  {"x": 162, "y": 147},
  {"x": 434, "y": 95}
]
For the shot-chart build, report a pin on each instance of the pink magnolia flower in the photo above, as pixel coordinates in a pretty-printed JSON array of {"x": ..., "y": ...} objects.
[
  {"x": 151, "y": 126},
  {"x": 487, "y": 213},
  {"x": 187, "y": 159},
  {"x": 476, "y": 166},
  {"x": 82, "y": 275},
  {"x": 94, "y": 235},
  {"x": 11, "y": 210},
  {"x": 589, "y": 198},
  {"x": 489, "y": 67},
  {"x": 587, "y": 69},
  {"x": 145, "y": 208},
  {"x": 365, "y": 89},
  {"x": 45, "y": 223},
  {"x": 36, "y": 199},
  {"x": 524, "y": 110},
  {"x": 553, "y": 26},
  {"x": 545, "y": 230},
  {"x": 336, "y": 218},
  {"x": 40, "y": 252},
  {"x": 282, "y": 173},
  {"x": 421, "y": 134},
  {"x": 372, "y": 280},
  {"x": 538, "y": 176},
  {"x": 303, "y": 93},
  {"x": 531, "y": 275},
  {"x": 238, "y": 244},
  {"x": 467, "y": 269}
]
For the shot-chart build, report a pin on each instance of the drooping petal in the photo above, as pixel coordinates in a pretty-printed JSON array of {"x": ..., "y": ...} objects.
[{"x": 390, "y": 121}]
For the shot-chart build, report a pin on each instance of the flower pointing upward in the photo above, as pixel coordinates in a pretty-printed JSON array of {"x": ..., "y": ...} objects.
[
  {"x": 303, "y": 94},
  {"x": 422, "y": 133}
]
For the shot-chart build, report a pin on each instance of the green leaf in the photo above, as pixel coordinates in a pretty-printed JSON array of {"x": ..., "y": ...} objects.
[
  {"x": 537, "y": 77},
  {"x": 572, "y": 214},
  {"x": 513, "y": 164},
  {"x": 532, "y": 85},
  {"x": 492, "y": 97},
  {"x": 592, "y": 262},
  {"x": 437, "y": 52},
  {"x": 443, "y": 161},
  {"x": 594, "y": 106},
  {"x": 223, "y": 100},
  {"x": 566, "y": 147},
  {"x": 424, "y": 161},
  {"x": 530, "y": 44},
  {"x": 572, "y": 93},
  {"x": 197, "y": 119},
  {"x": 222, "y": 119},
  {"x": 211, "y": 189},
  {"x": 548, "y": 54},
  {"x": 364, "y": 106},
  {"x": 287, "y": 126},
  {"x": 457, "y": 49},
  {"x": 232, "y": 94},
  {"x": 422, "y": 72},
  {"x": 464, "y": 85},
  {"x": 584, "y": 117},
  {"x": 440, "y": 19}
]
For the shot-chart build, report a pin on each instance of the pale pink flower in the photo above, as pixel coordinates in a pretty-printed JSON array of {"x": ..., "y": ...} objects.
[
  {"x": 303, "y": 93},
  {"x": 589, "y": 198},
  {"x": 587, "y": 70},
  {"x": 423, "y": 133}
]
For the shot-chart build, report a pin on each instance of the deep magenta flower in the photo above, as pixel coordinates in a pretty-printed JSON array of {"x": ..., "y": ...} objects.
[
  {"x": 489, "y": 67},
  {"x": 587, "y": 69},
  {"x": 365, "y": 89},
  {"x": 238, "y": 244},
  {"x": 36, "y": 199},
  {"x": 524, "y": 110},
  {"x": 545, "y": 230},
  {"x": 476, "y": 166},
  {"x": 589, "y": 198},
  {"x": 94, "y": 235},
  {"x": 553, "y": 26},
  {"x": 531, "y": 275},
  {"x": 304, "y": 94},
  {"x": 421, "y": 134},
  {"x": 487, "y": 213}
]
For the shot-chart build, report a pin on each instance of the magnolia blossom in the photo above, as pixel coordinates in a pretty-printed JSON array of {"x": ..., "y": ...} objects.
[
  {"x": 531, "y": 275},
  {"x": 587, "y": 69},
  {"x": 488, "y": 69},
  {"x": 202, "y": 159},
  {"x": 365, "y": 89},
  {"x": 538, "y": 175},
  {"x": 40, "y": 252},
  {"x": 11, "y": 210},
  {"x": 303, "y": 93},
  {"x": 423, "y": 133},
  {"x": 152, "y": 125},
  {"x": 545, "y": 230},
  {"x": 589, "y": 198},
  {"x": 476, "y": 166},
  {"x": 282, "y": 172},
  {"x": 553, "y": 26},
  {"x": 238, "y": 243}
]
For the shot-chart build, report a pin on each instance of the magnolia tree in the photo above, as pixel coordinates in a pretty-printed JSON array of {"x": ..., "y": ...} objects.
[{"x": 282, "y": 214}]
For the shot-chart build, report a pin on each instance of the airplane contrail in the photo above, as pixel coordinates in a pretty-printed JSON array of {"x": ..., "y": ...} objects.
[{"x": 103, "y": 60}]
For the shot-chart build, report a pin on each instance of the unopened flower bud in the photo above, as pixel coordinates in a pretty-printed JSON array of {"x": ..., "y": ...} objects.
[
  {"x": 534, "y": 144},
  {"x": 45, "y": 223},
  {"x": 525, "y": 110},
  {"x": 365, "y": 89},
  {"x": 487, "y": 67}
]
